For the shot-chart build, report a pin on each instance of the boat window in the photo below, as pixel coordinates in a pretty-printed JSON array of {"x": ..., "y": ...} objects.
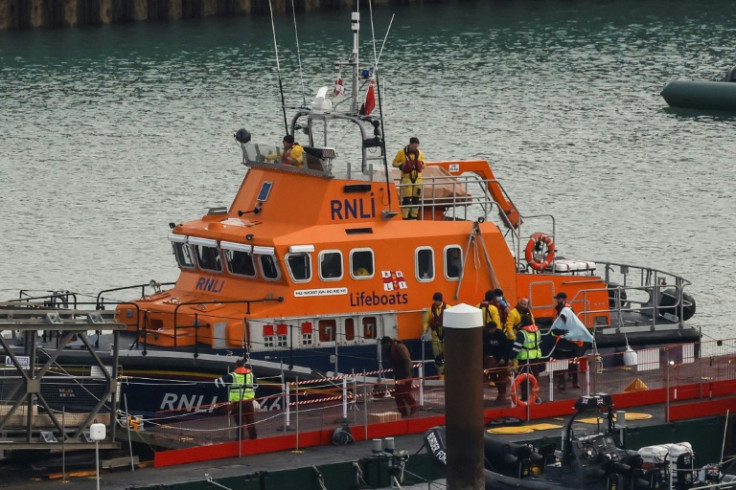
[
  {"x": 369, "y": 327},
  {"x": 209, "y": 258},
  {"x": 424, "y": 265},
  {"x": 240, "y": 263},
  {"x": 268, "y": 334},
  {"x": 349, "y": 329},
  {"x": 183, "y": 254},
  {"x": 327, "y": 330},
  {"x": 265, "y": 191},
  {"x": 361, "y": 263},
  {"x": 300, "y": 267},
  {"x": 453, "y": 262},
  {"x": 282, "y": 332},
  {"x": 330, "y": 265},
  {"x": 261, "y": 153},
  {"x": 306, "y": 331},
  {"x": 268, "y": 267}
]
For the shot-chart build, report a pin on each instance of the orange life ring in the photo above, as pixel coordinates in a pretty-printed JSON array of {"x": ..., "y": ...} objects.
[
  {"x": 534, "y": 242},
  {"x": 522, "y": 378}
]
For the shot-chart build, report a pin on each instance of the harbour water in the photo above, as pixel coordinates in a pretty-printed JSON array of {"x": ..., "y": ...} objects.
[{"x": 110, "y": 133}]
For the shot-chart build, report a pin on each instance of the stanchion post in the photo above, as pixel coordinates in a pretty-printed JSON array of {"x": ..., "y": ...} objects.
[
  {"x": 130, "y": 439},
  {"x": 365, "y": 405},
  {"x": 296, "y": 412},
  {"x": 97, "y": 433},
  {"x": 667, "y": 391},
  {"x": 345, "y": 398},
  {"x": 287, "y": 407},
  {"x": 421, "y": 384},
  {"x": 63, "y": 445},
  {"x": 240, "y": 425}
]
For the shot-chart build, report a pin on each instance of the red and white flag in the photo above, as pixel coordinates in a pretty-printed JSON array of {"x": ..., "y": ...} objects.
[
  {"x": 339, "y": 87},
  {"x": 393, "y": 280},
  {"x": 370, "y": 100}
]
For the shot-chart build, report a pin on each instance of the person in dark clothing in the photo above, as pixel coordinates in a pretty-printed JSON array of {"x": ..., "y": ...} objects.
[
  {"x": 501, "y": 305},
  {"x": 495, "y": 358},
  {"x": 400, "y": 360}
]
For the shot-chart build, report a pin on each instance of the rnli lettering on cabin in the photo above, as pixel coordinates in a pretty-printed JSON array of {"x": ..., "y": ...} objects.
[
  {"x": 393, "y": 280},
  {"x": 211, "y": 285},
  {"x": 345, "y": 209}
]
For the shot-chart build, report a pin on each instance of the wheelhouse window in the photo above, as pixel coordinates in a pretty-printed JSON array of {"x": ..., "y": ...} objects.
[
  {"x": 424, "y": 264},
  {"x": 453, "y": 262},
  {"x": 330, "y": 265},
  {"x": 239, "y": 259},
  {"x": 182, "y": 251},
  {"x": 208, "y": 255},
  {"x": 299, "y": 262},
  {"x": 361, "y": 263},
  {"x": 267, "y": 261},
  {"x": 300, "y": 267}
]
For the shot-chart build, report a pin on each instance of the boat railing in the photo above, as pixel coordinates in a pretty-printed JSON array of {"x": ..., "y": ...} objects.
[
  {"x": 450, "y": 197},
  {"x": 48, "y": 299},
  {"x": 467, "y": 197},
  {"x": 153, "y": 285},
  {"x": 638, "y": 296}
]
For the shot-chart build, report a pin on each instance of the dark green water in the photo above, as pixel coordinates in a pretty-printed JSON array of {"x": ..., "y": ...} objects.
[{"x": 107, "y": 134}]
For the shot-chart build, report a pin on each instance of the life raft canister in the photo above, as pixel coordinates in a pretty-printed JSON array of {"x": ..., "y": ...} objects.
[
  {"x": 535, "y": 245},
  {"x": 522, "y": 379}
]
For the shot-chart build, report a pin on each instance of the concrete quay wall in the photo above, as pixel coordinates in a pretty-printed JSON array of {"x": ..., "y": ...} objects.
[{"x": 29, "y": 14}]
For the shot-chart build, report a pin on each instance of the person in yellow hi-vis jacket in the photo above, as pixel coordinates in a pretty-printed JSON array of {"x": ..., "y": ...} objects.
[
  {"x": 241, "y": 395},
  {"x": 433, "y": 330},
  {"x": 520, "y": 313},
  {"x": 293, "y": 152},
  {"x": 410, "y": 160},
  {"x": 489, "y": 309}
]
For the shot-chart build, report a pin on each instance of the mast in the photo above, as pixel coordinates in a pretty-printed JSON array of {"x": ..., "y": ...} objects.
[{"x": 355, "y": 26}]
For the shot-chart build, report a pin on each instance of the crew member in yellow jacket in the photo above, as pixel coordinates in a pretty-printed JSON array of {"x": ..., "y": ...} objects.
[
  {"x": 410, "y": 160},
  {"x": 517, "y": 315},
  {"x": 434, "y": 330}
]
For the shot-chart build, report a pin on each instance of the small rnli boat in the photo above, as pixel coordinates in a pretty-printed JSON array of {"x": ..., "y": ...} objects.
[
  {"x": 312, "y": 263},
  {"x": 716, "y": 95},
  {"x": 587, "y": 461}
]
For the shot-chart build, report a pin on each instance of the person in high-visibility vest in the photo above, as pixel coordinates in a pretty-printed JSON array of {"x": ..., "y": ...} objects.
[
  {"x": 241, "y": 395},
  {"x": 527, "y": 349}
]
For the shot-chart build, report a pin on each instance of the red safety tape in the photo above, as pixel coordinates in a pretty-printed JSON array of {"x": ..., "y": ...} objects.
[{"x": 347, "y": 376}]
